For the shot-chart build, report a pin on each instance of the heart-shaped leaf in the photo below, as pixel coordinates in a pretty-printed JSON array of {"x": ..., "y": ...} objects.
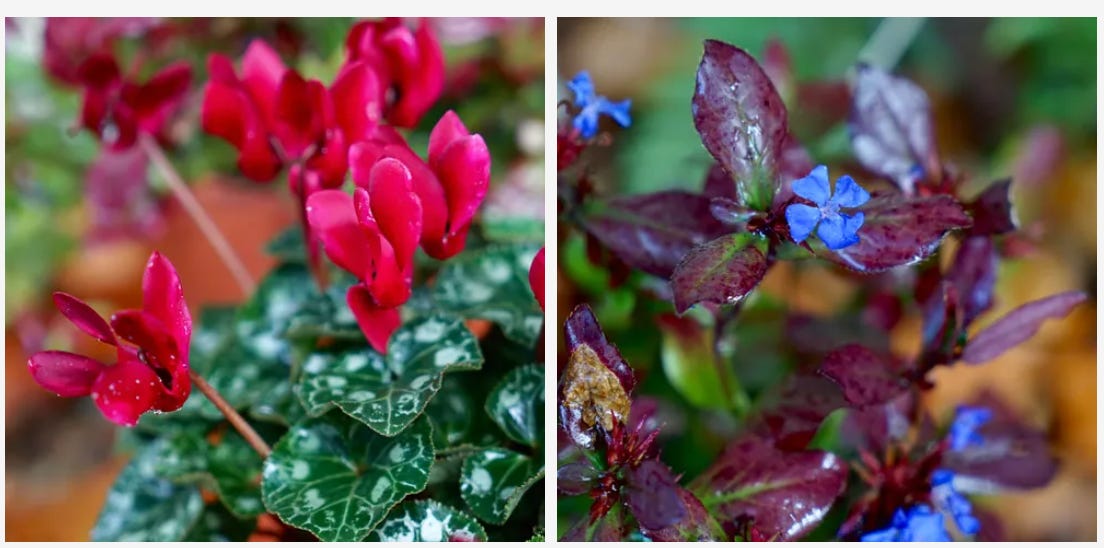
[
  {"x": 327, "y": 317},
  {"x": 899, "y": 231},
  {"x": 336, "y": 478},
  {"x": 450, "y": 412},
  {"x": 891, "y": 128},
  {"x": 493, "y": 284},
  {"x": 1018, "y": 325},
  {"x": 516, "y": 405},
  {"x": 741, "y": 120},
  {"x": 866, "y": 378},
  {"x": 786, "y": 493},
  {"x": 722, "y": 271},
  {"x": 263, "y": 321},
  {"x": 429, "y": 521},
  {"x": 653, "y": 232},
  {"x": 388, "y": 393},
  {"x": 493, "y": 481},
  {"x": 143, "y": 506}
]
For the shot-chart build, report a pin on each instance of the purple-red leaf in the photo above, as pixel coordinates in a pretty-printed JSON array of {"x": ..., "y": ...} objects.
[
  {"x": 900, "y": 231},
  {"x": 974, "y": 274},
  {"x": 696, "y": 526},
  {"x": 943, "y": 325},
  {"x": 575, "y": 478},
  {"x": 1018, "y": 325},
  {"x": 738, "y": 113},
  {"x": 719, "y": 184},
  {"x": 866, "y": 378},
  {"x": 784, "y": 494},
  {"x": 722, "y": 271},
  {"x": 891, "y": 128},
  {"x": 992, "y": 210},
  {"x": 653, "y": 232},
  {"x": 1012, "y": 455},
  {"x": 652, "y": 494},
  {"x": 792, "y": 415}
]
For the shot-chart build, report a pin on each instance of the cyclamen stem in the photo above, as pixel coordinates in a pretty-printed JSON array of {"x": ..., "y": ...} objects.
[
  {"x": 207, "y": 226},
  {"x": 232, "y": 415}
]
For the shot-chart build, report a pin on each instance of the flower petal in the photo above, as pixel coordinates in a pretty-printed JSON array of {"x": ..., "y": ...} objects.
[
  {"x": 333, "y": 218},
  {"x": 262, "y": 70},
  {"x": 126, "y": 390},
  {"x": 814, "y": 186},
  {"x": 619, "y": 111},
  {"x": 154, "y": 338},
  {"x": 464, "y": 172},
  {"x": 586, "y": 122},
  {"x": 833, "y": 232},
  {"x": 536, "y": 277},
  {"x": 802, "y": 220},
  {"x": 357, "y": 98},
  {"x": 82, "y": 316},
  {"x": 64, "y": 373},
  {"x": 396, "y": 208},
  {"x": 447, "y": 130},
  {"x": 583, "y": 88},
  {"x": 849, "y": 193},
  {"x": 163, "y": 297},
  {"x": 420, "y": 82},
  {"x": 375, "y": 322}
]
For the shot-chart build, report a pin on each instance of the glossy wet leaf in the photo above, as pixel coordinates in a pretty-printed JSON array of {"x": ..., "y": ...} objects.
[
  {"x": 429, "y": 521},
  {"x": 653, "y": 232},
  {"x": 786, "y": 493},
  {"x": 262, "y": 321},
  {"x": 899, "y": 231},
  {"x": 792, "y": 412},
  {"x": 388, "y": 393},
  {"x": 722, "y": 271},
  {"x": 974, "y": 275},
  {"x": 741, "y": 120},
  {"x": 336, "y": 478},
  {"x": 865, "y": 377},
  {"x": 1018, "y": 325},
  {"x": 891, "y": 128},
  {"x": 327, "y": 316},
  {"x": 143, "y": 506},
  {"x": 450, "y": 413},
  {"x": 235, "y": 467},
  {"x": 696, "y": 525},
  {"x": 493, "y": 481},
  {"x": 1012, "y": 455},
  {"x": 493, "y": 284},
  {"x": 651, "y": 492},
  {"x": 516, "y": 405}
]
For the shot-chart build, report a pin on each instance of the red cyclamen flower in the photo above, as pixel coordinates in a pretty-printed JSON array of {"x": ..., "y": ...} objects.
[
  {"x": 116, "y": 109},
  {"x": 451, "y": 185},
  {"x": 536, "y": 277},
  {"x": 150, "y": 373},
  {"x": 409, "y": 66},
  {"x": 373, "y": 235}
]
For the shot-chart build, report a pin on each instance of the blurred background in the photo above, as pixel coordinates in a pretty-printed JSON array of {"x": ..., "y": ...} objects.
[
  {"x": 85, "y": 224},
  {"x": 1011, "y": 97}
]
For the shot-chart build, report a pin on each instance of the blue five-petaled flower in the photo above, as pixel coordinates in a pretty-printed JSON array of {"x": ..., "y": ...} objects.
[
  {"x": 919, "y": 524},
  {"x": 837, "y": 230},
  {"x": 963, "y": 432},
  {"x": 591, "y": 105}
]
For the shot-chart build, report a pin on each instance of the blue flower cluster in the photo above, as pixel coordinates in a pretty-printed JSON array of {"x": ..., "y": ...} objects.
[
  {"x": 947, "y": 499},
  {"x": 837, "y": 230},
  {"x": 919, "y": 524},
  {"x": 592, "y": 105}
]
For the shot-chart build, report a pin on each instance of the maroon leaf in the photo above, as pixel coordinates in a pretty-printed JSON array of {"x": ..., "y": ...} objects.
[
  {"x": 818, "y": 336},
  {"x": 1012, "y": 454},
  {"x": 794, "y": 164},
  {"x": 722, "y": 271},
  {"x": 582, "y": 328},
  {"x": 876, "y": 427},
  {"x": 974, "y": 274},
  {"x": 792, "y": 415},
  {"x": 1018, "y": 325},
  {"x": 784, "y": 494},
  {"x": 652, "y": 494},
  {"x": 900, "y": 231},
  {"x": 575, "y": 478},
  {"x": 891, "y": 128},
  {"x": 866, "y": 378},
  {"x": 739, "y": 115},
  {"x": 943, "y": 326},
  {"x": 719, "y": 184},
  {"x": 653, "y": 232},
  {"x": 610, "y": 528},
  {"x": 696, "y": 526},
  {"x": 992, "y": 210}
]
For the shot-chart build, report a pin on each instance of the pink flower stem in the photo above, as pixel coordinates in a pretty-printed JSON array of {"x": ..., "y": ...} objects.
[
  {"x": 232, "y": 415},
  {"x": 198, "y": 214}
]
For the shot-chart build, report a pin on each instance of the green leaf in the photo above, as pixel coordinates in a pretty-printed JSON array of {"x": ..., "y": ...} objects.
[
  {"x": 142, "y": 506},
  {"x": 514, "y": 229},
  {"x": 538, "y": 536},
  {"x": 493, "y": 481},
  {"x": 280, "y": 406},
  {"x": 517, "y": 405},
  {"x": 692, "y": 367},
  {"x": 493, "y": 284},
  {"x": 450, "y": 412},
  {"x": 429, "y": 521},
  {"x": 235, "y": 468},
  {"x": 336, "y": 478},
  {"x": 287, "y": 246},
  {"x": 263, "y": 321},
  {"x": 327, "y": 316},
  {"x": 388, "y": 393},
  {"x": 217, "y": 524}
]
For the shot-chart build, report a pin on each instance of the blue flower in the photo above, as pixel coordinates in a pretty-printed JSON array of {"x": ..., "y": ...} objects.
[
  {"x": 837, "y": 230},
  {"x": 963, "y": 432},
  {"x": 948, "y": 500},
  {"x": 592, "y": 105},
  {"x": 919, "y": 524}
]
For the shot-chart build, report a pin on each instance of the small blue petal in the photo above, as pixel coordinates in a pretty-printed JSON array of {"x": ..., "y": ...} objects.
[
  {"x": 587, "y": 122},
  {"x": 849, "y": 193},
  {"x": 885, "y": 535},
  {"x": 925, "y": 527},
  {"x": 583, "y": 88},
  {"x": 814, "y": 187},
  {"x": 963, "y": 432},
  {"x": 619, "y": 111},
  {"x": 802, "y": 220},
  {"x": 833, "y": 231}
]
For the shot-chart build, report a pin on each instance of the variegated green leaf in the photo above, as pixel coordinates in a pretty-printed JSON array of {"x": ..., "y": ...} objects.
[
  {"x": 493, "y": 481},
  {"x": 517, "y": 405},
  {"x": 429, "y": 521}
]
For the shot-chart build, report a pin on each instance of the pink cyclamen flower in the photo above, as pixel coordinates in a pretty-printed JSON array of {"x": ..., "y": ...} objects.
[
  {"x": 409, "y": 66},
  {"x": 373, "y": 235},
  {"x": 151, "y": 372},
  {"x": 116, "y": 109},
  {"x": 451, "y": 185},
  {"x": 536, "y": 277}
]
